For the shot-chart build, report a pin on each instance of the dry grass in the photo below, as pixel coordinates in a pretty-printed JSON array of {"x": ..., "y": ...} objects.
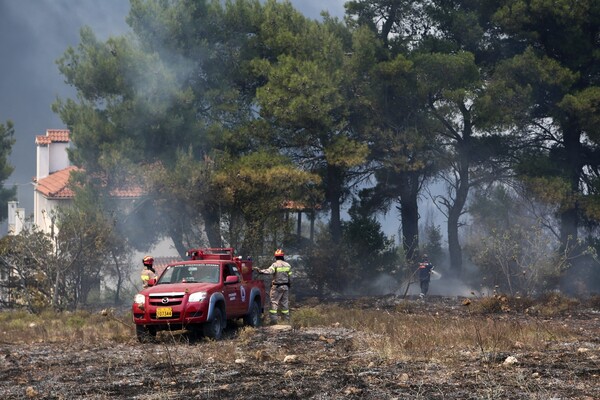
[
  {"x": 401, "y": 335},
  {"x": 396, "y": 333},
  {"x": 23, "y": 327},
  {"x": 360, "y": 348}
]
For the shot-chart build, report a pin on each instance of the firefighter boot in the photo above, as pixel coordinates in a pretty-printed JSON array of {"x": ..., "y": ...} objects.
[
  {"x": 286, "y": 317},
  {"x": 273, "y": 319}
]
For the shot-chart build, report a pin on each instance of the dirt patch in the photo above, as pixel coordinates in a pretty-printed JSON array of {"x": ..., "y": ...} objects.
[{"x": 289, "y": 362}]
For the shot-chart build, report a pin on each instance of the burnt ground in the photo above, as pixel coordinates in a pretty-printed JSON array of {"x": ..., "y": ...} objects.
[{"x": 288, "y": 362}]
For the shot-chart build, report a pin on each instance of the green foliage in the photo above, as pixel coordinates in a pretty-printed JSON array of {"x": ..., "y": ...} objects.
[
  {"x": 327, "y": 265},
  {"x": 170, "y": 89},
  {"x": 310, "y": 91},
  {"x": 432, "y": 245},
  {"x": 27, "y": 260},
  {"x": 520, "y": 82},
  {"x": 306, "y": 317},
  {"x": 585, "y": 106},
  {"x": 452, "y": 76},
  {"x": 89, "y": 248},
  {"x": 512, "y": 249},
  {"x": 231, "y": 108},
  {"x": 549, "y": 88},
  {"x": 356, "y": 264},
  {"x": 255, "y": 187},
  {"x": 6, "y": 142},
  {"x": 178, "y": 194},
  {"x": 372, "y": 252}
]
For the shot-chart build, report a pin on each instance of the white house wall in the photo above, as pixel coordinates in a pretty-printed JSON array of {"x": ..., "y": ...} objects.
[
  {"x": 59, "y": 159},
  {"x": 42, "y": 217},
  {"x": 45, "y": 210},
  {"x": 43, "y": 163}
]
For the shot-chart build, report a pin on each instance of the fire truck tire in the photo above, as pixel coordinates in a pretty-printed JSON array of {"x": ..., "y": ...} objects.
[
  {"x": 214, "y": 329},
  {"x": 145, "y": 334},
  {"x": 253, "y": 316}
]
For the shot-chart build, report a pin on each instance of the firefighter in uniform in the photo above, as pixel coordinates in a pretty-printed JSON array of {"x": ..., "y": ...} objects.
[
  {"x": 425, "y": 268},
  {"x": 280, "y": 288},
  {"x": 148, "y": 274}
]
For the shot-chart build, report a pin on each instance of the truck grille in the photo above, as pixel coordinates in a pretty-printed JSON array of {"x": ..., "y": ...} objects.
[
  {"x": 166, "y": 299},
  {"x": 169, "y": 302}
]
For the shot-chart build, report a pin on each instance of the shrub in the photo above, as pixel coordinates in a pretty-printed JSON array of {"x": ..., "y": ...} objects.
[{"x": 595, "y": 302}]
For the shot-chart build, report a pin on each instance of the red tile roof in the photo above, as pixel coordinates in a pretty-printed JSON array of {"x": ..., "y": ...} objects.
[
  {"x": 56, "y": 186},
  {"x": 53, "y": 136}
]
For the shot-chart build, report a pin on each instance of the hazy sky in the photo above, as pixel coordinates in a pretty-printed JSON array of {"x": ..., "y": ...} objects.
[{"x": 33, "y": 34}]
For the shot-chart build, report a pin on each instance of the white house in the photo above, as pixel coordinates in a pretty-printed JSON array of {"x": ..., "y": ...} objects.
[
  {"x": 51, "y": 183},
  {"x": 52, "y": 176}
]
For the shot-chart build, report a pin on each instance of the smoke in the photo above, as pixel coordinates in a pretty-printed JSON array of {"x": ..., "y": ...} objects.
[
  {"x": 388, "y": 284},
  {"x": 33, "y": 34}
]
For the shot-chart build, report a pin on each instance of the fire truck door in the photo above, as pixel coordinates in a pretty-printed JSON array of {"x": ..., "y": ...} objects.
[{"x": 233, "y": 292}]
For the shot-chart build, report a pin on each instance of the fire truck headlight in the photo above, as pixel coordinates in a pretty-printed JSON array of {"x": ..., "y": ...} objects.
[
  {"x": 197, "y": 297},
  {"x": 139, "y": 299}
]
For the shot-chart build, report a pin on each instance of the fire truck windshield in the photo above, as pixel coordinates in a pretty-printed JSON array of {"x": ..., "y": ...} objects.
[{"x": 190, "y": 273}]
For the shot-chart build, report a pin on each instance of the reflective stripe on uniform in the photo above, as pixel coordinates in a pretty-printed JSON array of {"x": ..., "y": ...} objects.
[{"x": 283, "y": 269}]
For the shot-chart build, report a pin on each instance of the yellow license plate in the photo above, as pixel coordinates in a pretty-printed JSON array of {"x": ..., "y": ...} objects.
[{"x": 164, "y": 312}]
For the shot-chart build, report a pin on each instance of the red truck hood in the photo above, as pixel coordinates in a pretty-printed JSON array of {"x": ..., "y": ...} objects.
[{"x": 178, "y": 288}]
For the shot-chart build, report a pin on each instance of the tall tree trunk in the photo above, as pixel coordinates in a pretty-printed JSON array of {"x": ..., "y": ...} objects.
[
  {"x": 463, "y": 148},
  {"x": 333, "y": 193},
  {"x": 454, "y": 213},
  {"x": 409, "y": 214},
  {"x": 453, "y": 242},
  {"x": 177, "y": 238},
  {"x": 117, "y": 298},
  {"x": 212, "y": 224},
  {"x": 569, "y": 215}
]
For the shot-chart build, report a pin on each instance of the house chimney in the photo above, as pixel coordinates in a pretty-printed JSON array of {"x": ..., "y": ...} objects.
[{"x": 51, "y": 152}]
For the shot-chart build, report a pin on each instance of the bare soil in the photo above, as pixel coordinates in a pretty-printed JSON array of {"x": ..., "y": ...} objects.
[{"x": 289, "y": 362}]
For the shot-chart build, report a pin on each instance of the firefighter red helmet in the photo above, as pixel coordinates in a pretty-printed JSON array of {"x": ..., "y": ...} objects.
[
  {"x": 279, "y": 253},
  {"x": 148, "y": 260}
]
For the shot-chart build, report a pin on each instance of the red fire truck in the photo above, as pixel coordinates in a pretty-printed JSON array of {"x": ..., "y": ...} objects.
[{"x": 200, "y": 295}]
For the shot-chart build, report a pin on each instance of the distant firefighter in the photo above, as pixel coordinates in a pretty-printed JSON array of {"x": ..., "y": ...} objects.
[{"x": 425, "y": 268}]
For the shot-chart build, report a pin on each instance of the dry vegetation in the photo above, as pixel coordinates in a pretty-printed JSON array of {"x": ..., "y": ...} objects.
[{"x": 368, "y": 348}]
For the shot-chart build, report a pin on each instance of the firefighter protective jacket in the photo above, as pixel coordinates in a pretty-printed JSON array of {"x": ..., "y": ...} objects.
[
  {"x": 148, "y": 278},
  {"x": 425, "y": 268},
  {"x": 281, "y": 271}
]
